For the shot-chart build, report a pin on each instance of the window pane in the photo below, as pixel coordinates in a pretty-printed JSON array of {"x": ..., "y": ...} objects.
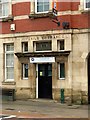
[
  {"x": 49, "y": 73},
  {"x": 42, "y": 6},
  {"x": 49, "y": 70},
  {"x": 42, "y": 68},
  {"x": 43, "y": 46},
  {"x": 62, "y": 45},
  {"x": 10, "y": 60},
  {"x": 5, "y": 9},
  {"x": 25, "y": 46},
  {"x": 87, "y": 3},
  {"x": 50, "y": 67},
  {"x": 38, "y": 1},
  {"x": 25, "y": 70},
  {"x": 10, "y": 47},
  {"x": 5, "y": 1},
  {"x": 9, "y": 73},
  {"x": 39, "y": 8},
  {"x": 0, "y": 9},
  {"x": 46, "y": 7},
  {"x": 46, "y": 1},
  {"x": 42, "y": 71},
  {"x": 62, "y": 70}
]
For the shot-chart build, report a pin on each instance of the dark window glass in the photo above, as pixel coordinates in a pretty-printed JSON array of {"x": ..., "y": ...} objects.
[
  {"x": 62, "y": 45},
  {"x": 43, "y": 46},
  {"x": 25, "y": 47},
  {"x": 62, "y": 70},
  {"x": 25, "y": 70},
  {"x": 50, "y": 70},
  {"x": 87, "y": 3},
  {"x": 42, "y": 71}
]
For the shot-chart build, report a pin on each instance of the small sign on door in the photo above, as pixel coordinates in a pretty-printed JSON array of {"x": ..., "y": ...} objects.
[{"x": 41, "y": 74}]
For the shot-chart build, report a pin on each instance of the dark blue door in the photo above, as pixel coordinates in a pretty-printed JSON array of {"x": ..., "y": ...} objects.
[{"x": 44, "y": 80}]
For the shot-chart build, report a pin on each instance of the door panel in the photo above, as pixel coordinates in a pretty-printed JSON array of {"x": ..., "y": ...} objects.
[{"x": 45, "y": 80}]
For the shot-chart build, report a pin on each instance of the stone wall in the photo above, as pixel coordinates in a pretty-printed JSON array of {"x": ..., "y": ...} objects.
[
  {"x": 75, "y": 83},
  {"x": 25, "y": 93},
  {"x": 71, "y": 96}
]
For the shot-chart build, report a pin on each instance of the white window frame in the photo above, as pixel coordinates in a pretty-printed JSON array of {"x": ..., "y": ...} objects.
[
  {"x": 82, "y": 6},
  {"x": 59, "y": 71},
  {"x": 42, "y": 11},
  {"x": 85, "y": 6},
  {"x": 8, "y": 52},
  {"x": 23, "y": 71},
  {"x": 10, "y": 9}
]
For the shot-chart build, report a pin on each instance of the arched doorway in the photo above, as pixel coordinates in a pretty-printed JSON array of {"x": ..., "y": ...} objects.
[{"x": 89, "y": 79}]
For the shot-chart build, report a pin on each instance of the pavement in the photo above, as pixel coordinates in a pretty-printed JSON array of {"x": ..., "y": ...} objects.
[{"x": 42, "y": 108}]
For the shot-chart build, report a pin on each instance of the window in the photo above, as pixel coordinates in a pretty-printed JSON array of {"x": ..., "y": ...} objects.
[
  {"x": 9, "y": 62},
  {"x": 87, "y": 4},
  {"x": 42, "y": 70},
  {"x": 4, "y": 8},
  {"x": 25, "y": 46},
  {"x": 41, "y": 6},
  {"x": 62, "y": 70},
  {"x": 25, "y": 71},
  {"x": 43, "y": 46},
  {"x": 62, "y": 45},
  {"x": 50, "y": 70},
  {"x": 84, "y": 5}
]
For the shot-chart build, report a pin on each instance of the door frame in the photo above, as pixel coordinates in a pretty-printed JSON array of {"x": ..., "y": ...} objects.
[
  {"x": 88, "y": 66},
  {"x": 36, "y": 80}
]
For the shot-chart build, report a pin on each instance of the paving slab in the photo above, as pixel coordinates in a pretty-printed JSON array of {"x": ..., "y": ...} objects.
[{"x": 41, "y": 108}]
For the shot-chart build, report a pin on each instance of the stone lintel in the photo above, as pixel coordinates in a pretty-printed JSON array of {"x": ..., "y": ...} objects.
[{"x": 42, "y": 54}]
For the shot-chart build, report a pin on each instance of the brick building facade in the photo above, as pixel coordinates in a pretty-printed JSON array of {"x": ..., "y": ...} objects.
[{"x": 45, "y": 53}]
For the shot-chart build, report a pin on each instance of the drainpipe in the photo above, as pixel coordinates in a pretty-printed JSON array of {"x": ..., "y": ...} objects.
[{"x": 62, "y": 96}]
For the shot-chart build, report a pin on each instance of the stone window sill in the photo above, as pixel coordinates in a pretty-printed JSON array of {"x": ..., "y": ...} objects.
[
  {"x": 7, "y": 19},
  {"x": 8, "y": 83},
  {"x": 86, "y": 11},
  {"x": 83, "y": 10},
  {"x": 42, "y": 15}
]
